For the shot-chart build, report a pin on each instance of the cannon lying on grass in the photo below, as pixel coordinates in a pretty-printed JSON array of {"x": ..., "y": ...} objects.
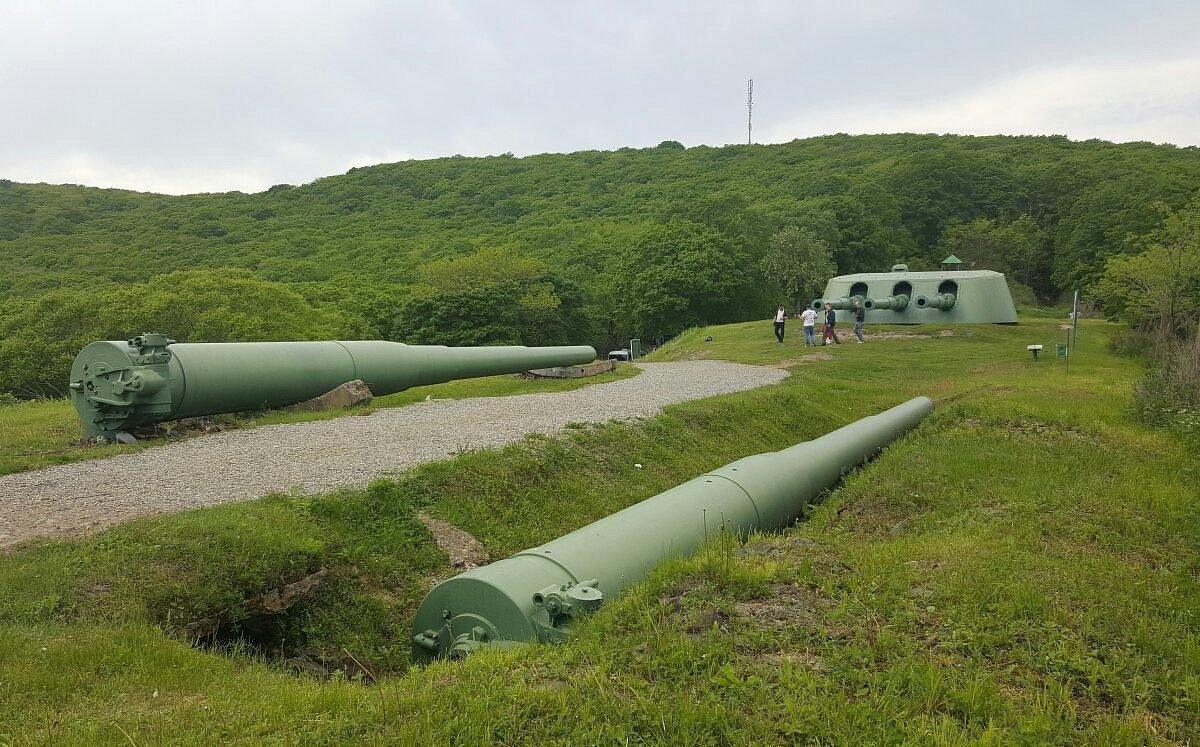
[
  {"x": 534, "y": 595},
  {"x": 117, "y": 385}
]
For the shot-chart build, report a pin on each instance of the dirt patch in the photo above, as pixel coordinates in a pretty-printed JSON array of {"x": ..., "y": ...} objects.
[
  {"x": 1034, "y": 428},
  {"x": 788, "y": 606},
  {"x": 995, "y": 367},
  {"x": 464, "y": 551},
  {"x": 894, "y": 336},
  {"x": 877, "y": 516},
  {"x": 945, "y": 333},
  {"x": 186, "y": 427},
  {"x": 694, "y": 613},
  {"x": 802, "y": 659},
  {"x": 810, "y": 358},
  {"x": 268, "y": 605},
  {"x": 794, "y": 551}
]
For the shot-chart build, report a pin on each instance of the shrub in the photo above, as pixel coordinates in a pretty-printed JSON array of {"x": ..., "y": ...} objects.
[{"x": 1169, "y": 393}]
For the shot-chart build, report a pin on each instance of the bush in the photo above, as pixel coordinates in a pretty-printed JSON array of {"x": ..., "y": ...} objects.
[
  {"x": 1169, "y": 393},
  {"x": 39, "y": 337}
]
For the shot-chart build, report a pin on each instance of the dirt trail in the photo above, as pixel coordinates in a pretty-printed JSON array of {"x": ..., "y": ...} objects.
[{"x": 319, "y": 456}]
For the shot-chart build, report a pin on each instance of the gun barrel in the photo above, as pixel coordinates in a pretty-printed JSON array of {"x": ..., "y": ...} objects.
[
  {"x": 943, "y": 301},
  {"x": 898, "y": 302},
  {"x": 533, "y": 595},
  {"x": 840, "y": 304},
  {"x": 119, "y": 384}
]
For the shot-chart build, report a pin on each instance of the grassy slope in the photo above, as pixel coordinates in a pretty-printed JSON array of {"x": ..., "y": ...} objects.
[
  {"x": 43, "y": 433},
  {"x": 1022, "y": 567}
]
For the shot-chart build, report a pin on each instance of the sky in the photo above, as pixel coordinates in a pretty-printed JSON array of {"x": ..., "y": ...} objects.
[{"x": 210, "y": 96}]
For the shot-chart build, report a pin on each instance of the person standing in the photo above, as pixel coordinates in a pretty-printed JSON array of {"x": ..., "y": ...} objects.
[
  {"x": 780, "y": 319},
  {"x": 830, "y": 321},
  {"x": 809, "y": 318},
  {"x": 860, "y": 316}
]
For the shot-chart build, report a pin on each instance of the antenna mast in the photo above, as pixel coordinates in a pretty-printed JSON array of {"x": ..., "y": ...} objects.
[{"x": 750, "y": 112}]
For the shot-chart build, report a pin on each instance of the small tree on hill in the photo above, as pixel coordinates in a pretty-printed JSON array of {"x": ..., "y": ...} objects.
[
  {"x": 1158, "y": 290},
  {"x": 798, "y": 262}
]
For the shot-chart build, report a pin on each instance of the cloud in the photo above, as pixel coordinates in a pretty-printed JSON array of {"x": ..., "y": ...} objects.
[
  {"x": 222, "y": 95},
  {"x": 1150, "y": 101}
]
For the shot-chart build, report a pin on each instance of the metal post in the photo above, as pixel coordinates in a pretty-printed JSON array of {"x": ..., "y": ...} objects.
[
  {"x": 750, "y": 112},
  {"x": 1074, "y": 320}
]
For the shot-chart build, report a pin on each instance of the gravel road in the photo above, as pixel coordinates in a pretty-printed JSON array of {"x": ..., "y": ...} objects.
[{"x": 319, "y": 456}]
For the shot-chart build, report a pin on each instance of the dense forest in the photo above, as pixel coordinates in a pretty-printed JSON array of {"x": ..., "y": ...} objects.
[{"x": 585, "y": 247}]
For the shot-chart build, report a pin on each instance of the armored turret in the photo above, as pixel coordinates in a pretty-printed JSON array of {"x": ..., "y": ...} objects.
[{"x": 946, "y": 296}]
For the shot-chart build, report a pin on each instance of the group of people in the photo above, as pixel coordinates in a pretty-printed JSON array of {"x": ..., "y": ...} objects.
[{"x": 808, "y": 318}]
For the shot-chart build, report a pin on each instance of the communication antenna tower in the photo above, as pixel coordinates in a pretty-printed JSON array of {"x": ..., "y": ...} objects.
[{"x": 750, "y": 112}]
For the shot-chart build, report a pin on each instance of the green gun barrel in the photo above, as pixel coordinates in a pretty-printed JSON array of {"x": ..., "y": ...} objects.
[
  {"x": 898, "y": 302},
  {"x": 943, "y": 301},
  {"x": 116, "y": 385},
  {"x": 533, "y": 595},
  {"x": 840, "y": 304}
]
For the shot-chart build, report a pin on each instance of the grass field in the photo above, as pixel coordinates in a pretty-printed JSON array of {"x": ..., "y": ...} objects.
[
  {"x": 1024, "y": 567},
  {"x": 47, "y": 432}
]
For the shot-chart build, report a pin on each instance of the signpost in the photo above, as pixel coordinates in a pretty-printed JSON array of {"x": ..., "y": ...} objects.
[{"x": 1074, "y": 320}]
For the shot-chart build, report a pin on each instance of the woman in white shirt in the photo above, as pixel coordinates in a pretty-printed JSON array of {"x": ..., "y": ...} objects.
[{"x": 780, "y": 318}]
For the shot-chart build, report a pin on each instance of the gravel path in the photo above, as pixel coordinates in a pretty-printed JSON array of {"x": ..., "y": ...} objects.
[{"x": 319, "y": 456}]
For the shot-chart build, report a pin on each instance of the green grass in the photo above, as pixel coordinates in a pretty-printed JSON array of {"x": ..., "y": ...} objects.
[
  {"x": 47, "y": 432},
  {"x": 1022, "y": 568}
]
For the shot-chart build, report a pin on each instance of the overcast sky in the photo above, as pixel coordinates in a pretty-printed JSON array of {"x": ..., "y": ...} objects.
[{"x": 212, "y": 96}]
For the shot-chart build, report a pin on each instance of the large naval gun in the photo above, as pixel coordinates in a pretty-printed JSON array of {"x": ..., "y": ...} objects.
[
  {"x": 937, "y": 297},
  {"x": 119, "y": 384},
  {"x": 535, "y": 595}
]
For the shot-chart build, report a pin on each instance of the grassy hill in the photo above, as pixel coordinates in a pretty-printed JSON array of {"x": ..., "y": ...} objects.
[
  {"x": 1024, "y": 567},
  {"x": 585, "y": 247}
]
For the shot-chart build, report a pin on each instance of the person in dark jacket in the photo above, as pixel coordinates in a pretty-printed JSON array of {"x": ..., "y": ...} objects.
[
  {"x": 780, "y": 319},
  {"x": 829, "y": 333},
  {"x": 860, "y": 316}
]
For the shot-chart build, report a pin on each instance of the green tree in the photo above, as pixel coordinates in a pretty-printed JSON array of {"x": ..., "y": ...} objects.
[
  {"x": 38, "y": 340},
  {"x": 676, "y": 276},
  {"x": 490, "y": 266},
  {"x": 1158, "y": 289},
  {"x": 798, "y": 262},
  {"x": 547, "y": 312},
  {"x": 1013, "y": 248}
]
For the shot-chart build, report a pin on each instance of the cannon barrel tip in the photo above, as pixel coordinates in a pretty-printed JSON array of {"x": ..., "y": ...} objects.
[
  {"x": 943, "y": 301},
  {"x": 898, "y": 302}
]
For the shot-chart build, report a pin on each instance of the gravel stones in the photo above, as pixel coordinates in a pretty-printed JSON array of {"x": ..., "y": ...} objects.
[{"x": 329, "y": 454}]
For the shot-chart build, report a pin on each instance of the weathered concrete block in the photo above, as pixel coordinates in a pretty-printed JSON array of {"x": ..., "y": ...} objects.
[
  {"x": 572, "y": 372},
  {"x": 351, "y": 393},
  {"x": 463, "y": 550}
]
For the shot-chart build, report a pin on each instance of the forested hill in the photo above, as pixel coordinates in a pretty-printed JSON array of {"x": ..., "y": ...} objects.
[{"x": 589, "y": 246}]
